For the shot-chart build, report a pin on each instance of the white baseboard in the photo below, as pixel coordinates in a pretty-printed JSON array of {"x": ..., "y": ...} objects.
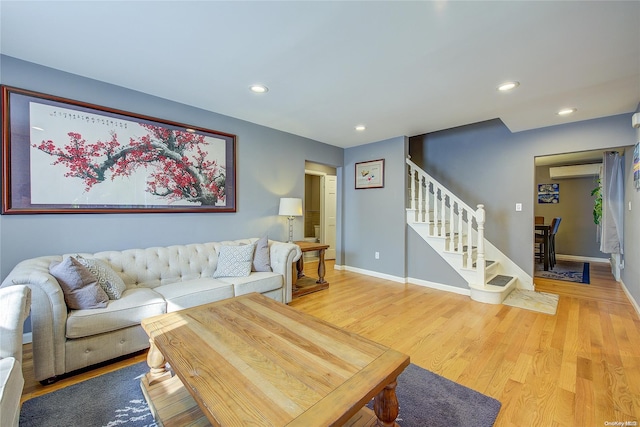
[
  {"x": 411, "y": 280},
  {"x": 581, "y": 258},
  {"x": 27, "y": 337},
  {"x": 439, "y": 286},
  {"x": 633, "y": 302},
  {"x": 373, "y": 274}
]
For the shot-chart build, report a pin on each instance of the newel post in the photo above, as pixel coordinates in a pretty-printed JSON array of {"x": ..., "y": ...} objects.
[{"x": 480, "y": 262}]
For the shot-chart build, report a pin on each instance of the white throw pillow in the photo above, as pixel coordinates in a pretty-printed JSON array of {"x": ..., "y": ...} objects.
[
  {"x": 109, "y": 281},
  {"x": 234, "y": 261}
]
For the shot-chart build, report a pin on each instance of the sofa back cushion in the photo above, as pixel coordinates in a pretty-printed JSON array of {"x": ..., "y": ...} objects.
[{"x": 159, "y": 266}]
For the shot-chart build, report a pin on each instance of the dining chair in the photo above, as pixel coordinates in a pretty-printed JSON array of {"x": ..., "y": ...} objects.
[
  {"x": 550, "y": 252},
  {"x": 555, "y": 225},
  {"x": 538, "y": 221}
]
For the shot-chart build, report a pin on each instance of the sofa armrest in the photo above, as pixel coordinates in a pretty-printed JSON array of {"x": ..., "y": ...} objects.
[
  {"x": 283, "y": 255},
  {"x": 48, "y": 314},
  {"x": 15, "y": 303}
]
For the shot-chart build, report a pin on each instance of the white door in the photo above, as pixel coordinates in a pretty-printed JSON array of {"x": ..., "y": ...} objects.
[{"x": 328, "y": 202}]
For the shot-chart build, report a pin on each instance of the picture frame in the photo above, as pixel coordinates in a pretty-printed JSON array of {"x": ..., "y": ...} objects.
[
  {"x": 549, "y": 193},
  {"x": 66, "y": 156},
  {"x": 369, "y": 174}
]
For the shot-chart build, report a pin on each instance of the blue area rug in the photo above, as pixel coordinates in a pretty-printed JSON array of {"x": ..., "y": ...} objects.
[
  {"x": 570, "y": 271},
  {"x": 115, "y": 399}
]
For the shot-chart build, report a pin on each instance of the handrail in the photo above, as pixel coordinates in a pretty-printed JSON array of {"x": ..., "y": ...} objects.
[{"x": 434, "y": 204}]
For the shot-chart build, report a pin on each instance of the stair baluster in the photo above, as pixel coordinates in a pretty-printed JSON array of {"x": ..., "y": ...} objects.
[{"x": 480, "y": 262}]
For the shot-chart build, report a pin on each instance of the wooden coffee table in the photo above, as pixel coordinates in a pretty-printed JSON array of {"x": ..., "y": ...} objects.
[{"x": 251, "y": 360}]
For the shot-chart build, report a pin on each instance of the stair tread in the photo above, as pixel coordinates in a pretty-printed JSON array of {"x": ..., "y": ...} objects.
[
  {"x": 487, "y": 263},
  {"x": 500, "y": 280}
]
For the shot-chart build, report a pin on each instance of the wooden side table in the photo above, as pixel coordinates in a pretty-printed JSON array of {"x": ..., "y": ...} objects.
[{"x": 305, "y": 285}]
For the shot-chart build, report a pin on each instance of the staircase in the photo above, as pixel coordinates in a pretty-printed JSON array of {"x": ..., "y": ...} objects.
[{"x": 456, "y": 232}]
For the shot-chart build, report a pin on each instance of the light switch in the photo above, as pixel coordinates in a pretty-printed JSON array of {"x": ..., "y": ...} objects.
[{"x": 518, "y": 207}]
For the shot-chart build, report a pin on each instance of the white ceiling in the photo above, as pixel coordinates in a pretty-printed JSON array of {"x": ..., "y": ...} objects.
[{"x": 400, "y": 68}]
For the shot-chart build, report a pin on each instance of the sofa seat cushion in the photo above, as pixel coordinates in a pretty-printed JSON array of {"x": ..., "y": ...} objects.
[
  {"x": 133, "y": 306},
  {"x": 261, "y": 282},
  {"x": 181, "y": 295}
]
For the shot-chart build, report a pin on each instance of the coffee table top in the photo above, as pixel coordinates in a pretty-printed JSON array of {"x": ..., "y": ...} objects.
[{"x": 251, "y": 360}]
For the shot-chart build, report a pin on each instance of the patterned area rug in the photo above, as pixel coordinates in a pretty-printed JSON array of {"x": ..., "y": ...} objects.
[
  {"x": 570, "y": 271},
  {"x": 114, "y": 399}
]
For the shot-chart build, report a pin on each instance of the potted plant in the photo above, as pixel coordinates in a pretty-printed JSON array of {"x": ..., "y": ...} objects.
[{"x": 597, "y": 205}]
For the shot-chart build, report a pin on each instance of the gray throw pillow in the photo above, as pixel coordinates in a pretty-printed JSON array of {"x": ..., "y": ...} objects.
[
  {"x": 261, "y": 259},
  {"x": 79, "y": 286},
  {"x": 234, "y": 261},
  {"x": 108, "y": 279}
]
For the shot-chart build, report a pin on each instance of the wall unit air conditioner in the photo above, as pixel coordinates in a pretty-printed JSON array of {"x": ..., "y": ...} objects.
[{"x": 575, "y": 171}]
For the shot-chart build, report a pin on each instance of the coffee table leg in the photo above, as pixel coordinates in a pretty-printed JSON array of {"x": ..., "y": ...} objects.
[
  {"x": 157, "y": 365},
  {"x": 385, "y": 406}
]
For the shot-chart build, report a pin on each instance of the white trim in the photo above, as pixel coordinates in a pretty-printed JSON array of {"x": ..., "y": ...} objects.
[
  {"x": 27, "y": 337},
  {"x": 631, "y": 300},
  {"x": 374, "y": 274},
  {"x": 411, "y": 280},
  {"x": 581, "y": 258},
  {"x": 439, "y": 286}
]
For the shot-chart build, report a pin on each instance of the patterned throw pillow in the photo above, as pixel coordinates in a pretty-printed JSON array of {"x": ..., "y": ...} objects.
[
  {"x": 108, "y": 279},
  {"x": 234, "y": 261},
  {"x": 261, "y": 259},
  {"x": 79, "y": 286}
]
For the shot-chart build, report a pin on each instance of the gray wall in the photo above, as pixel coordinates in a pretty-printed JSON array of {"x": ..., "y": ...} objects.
[
  {"x": 577, "y": 233},
  {"x": 424, "y": 262},
  {"x": 374, "y": 219},
  {"x": 270, "y": 164},
  {"x": 630, "y": 276},
  {"x": 486, "y": 163}
]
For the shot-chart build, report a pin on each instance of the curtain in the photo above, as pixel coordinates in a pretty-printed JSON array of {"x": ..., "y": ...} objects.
[{"x": 612, "y": 241}]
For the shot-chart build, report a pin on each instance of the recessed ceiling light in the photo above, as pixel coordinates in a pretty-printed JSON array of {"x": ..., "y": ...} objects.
[
  {"x": 360, "y": 128},
  {"x": 190, "y": 130},
  {"x": 507, "y": 86},
  {"x": 566, "y": 111},
  {"x": 258, "y": 88}
]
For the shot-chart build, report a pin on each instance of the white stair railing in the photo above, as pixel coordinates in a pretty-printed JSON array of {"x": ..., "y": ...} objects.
[{"x": 450, "y": 218}]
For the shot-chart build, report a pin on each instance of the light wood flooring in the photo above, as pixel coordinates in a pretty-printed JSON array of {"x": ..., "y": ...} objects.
[{"x": 580, "y": 367}]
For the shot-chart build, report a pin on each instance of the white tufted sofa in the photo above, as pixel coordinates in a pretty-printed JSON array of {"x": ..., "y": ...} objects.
[{"x": 158, "y": 280}]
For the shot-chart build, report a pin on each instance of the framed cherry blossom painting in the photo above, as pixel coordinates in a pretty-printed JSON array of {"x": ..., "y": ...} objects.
[{"x": 64, "y": 156}]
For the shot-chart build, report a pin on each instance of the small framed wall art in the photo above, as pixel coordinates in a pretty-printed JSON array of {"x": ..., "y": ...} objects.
[
  {"x": 370, "y": 174},
  {"x": 549, "y": 193}
]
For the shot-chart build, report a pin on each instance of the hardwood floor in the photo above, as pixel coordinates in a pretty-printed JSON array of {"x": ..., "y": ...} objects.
[{"x": 580, "y": 367}]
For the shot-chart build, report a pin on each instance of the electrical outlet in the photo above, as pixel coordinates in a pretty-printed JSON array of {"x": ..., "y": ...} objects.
[
  {"x": 377, "y": 255},
  {"x": 518, "y": 207}
]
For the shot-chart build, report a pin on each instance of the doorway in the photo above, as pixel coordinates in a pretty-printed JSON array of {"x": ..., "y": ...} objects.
[
  {"x": 319, "y": 207},
  {"x": 573, "y": 178}
]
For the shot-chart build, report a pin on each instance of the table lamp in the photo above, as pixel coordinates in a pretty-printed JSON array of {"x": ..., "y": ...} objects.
[{"x": 290, "y": 207}]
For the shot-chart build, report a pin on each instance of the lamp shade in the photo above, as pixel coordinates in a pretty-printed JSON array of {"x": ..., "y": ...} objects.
[{"x": 290, "y": 207}]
